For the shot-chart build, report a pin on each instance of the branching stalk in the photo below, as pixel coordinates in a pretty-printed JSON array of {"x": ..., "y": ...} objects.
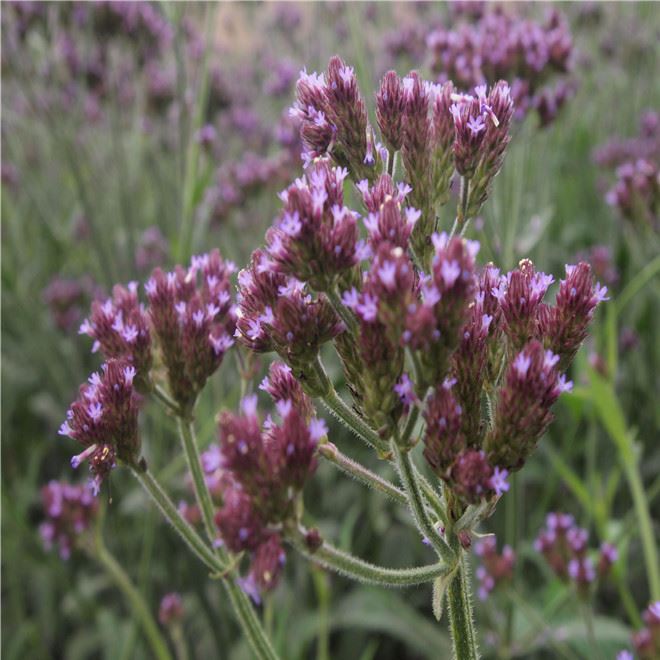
[
  {"x": 363, "y": 571},
  {"x": 362, "y": 474},
  {"x": 416, "y": 503}
]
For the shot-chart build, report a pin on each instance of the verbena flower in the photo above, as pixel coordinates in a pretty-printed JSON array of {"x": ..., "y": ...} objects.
[
  {"x": 495, "y": 568},
  {"x": 70, "y": 511},
  {"x": 193, "y": 318},
  {"x": 170, "y": 610},
  {"x": 502, "y": 44},
  {"x": 104, "y": 420},
  {"x": 120, "y": 329},
  {"x": 267, "y": 464}
]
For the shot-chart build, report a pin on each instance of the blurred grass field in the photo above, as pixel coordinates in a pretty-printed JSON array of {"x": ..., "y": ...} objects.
[{"x": 547, "y": 204}]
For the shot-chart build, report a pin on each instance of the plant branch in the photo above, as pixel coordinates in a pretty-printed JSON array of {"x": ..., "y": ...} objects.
[
  {"x": 362, "y": 474},
  {"x": 461, "y": 619},
  {"x": 202, "y": 494},
  {"x": 410, "y": 481},
  {"x": 363, "y": 571},
  {"x": 352, "y": 421}
]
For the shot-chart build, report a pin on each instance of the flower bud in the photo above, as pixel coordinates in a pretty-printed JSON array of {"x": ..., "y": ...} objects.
[
  {"x": 531, "y": 386},
  {"x": 390, "y": 108},
  {"x": 564, "y": 326}
]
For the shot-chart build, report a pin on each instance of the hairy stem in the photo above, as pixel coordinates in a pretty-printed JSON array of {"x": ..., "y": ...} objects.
[
  {"x": 461, "y": 620},
  {"x": 409, "y": 478},
  {"x": 351, "y": 420},
  {"x": 247, "y": 618},
  {"x": 362, "y": 474},
  {"x": 172, "y": 515},
  {"x": 202, "y": 494},
  {"x": 250, "y": 624},
  {"x": 362, "y": 571},
  {"x": 134, "y": 599},
  {"x": 163, "y": 397}
]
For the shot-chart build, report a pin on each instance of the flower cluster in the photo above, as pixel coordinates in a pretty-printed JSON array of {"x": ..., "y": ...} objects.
[
  {"x": 104, "y": 420},
  {"x": 170, "y": 610},
  {"x": 119, "y": 327},
  {"x": 495, "y": 568},
  {"x": 66, "y": 298},
  {"x": 265, "y": 466},
  {"x": 502, "y": 44},
  {"x": 70, "y": 511},
  {"x": 188, "y": 326},
  {"x": 564, "y": 546},
  {"x": 436, "y": 130},
  {"x": 193, "y": 318},
  {"x": 277, "y": 312},
  {"x": 646, "y": 641},
  {"x": 636, "y": 192}
]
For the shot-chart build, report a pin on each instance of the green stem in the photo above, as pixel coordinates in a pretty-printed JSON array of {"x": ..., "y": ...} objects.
[
  {"x": 461, "y": 620},
  {"x": 202, "y": 494},
  {"x": 416, "y": 503},
  {"x": 134, "y": 598},
  {"x": 243, "y": 609},
  {"x": 362, "y": 571},
  {"x": 163, "y": 397},
  {"x": 587, "y": 614},
  {"x": 178, "y": 641},
  {"x": 172, "y": 515},
  {"x": 362, "y": 474},
  {"x": 342, "y": 311},
  {"x": 322, "y": 588},
  {"x": 250, "y": 624},
  {"x": 645, "y": 526},
  {"x": 354, "y": 423}
]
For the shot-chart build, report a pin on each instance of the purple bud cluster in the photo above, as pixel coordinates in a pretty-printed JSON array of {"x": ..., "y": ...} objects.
[
  {"x": 315, "y": 238},
  {"x": 636, "y": 191},
  {"x": 104, "y": 420},
  {"x": 646, "y": 641},
  {"x": 501, "y": 44},
  {"x": 120, "y": 329},
  {"x": 333, "y": 119},
  {"x": 564, "y": 546},
  {"x": 265, "y": 466},
  {"x": 276, "y": 312},
  {"x": 170, "y": 611},
  {"x": 69, "y": 511},
  {"x": 495, "y": 568},
  {"x": 66, "y": 299},
  {"x": 193, "y": 318}
]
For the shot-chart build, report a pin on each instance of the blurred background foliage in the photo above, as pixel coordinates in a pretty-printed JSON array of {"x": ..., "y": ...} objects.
[{"x": 105, "y": 174}]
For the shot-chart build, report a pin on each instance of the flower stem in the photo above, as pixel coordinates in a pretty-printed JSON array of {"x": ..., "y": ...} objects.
[
  {"x": 362, "y": 571},
  {"x": 461, "y": 623},
  {"x": 362, "y": 474},
  {"x": 342, "y": 311},
  {"x": 354, "y": 423},
  {"x": 250, "y": 624},
  {"x": 161, "y": 395},
  {"x": 411, "y": 484},
  {"x": 171, "y": 514},
  {"x": 202, "y": 494},
  {"x": 243, "y": 609},
  {"x": 135, "y": 600}
]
